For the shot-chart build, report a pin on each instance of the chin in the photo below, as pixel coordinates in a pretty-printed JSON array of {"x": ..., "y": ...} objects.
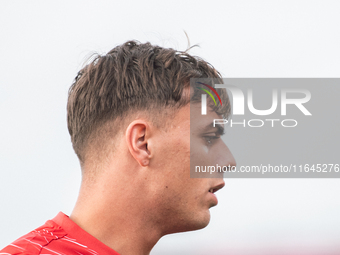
[
  {"x": 194, "y": 221},
  {"x": 205, "y": 221},
  {"x": 198, "y": 222}
]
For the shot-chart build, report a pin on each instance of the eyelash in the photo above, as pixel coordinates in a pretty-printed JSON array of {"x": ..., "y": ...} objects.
[{"x": 211, "y": 139}]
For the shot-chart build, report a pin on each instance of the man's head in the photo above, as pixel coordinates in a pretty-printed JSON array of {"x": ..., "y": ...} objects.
[
  {"x": 131, "y": 78},
  {"x": 129, "y": 121}
]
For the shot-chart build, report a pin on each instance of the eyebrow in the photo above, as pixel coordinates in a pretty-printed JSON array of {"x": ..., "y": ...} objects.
[{"x": 220, "y": 128}]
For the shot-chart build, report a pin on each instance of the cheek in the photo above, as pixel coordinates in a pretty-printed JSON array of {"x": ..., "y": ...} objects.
[
  {"x": 177, "y": 150},
  {"x": 180, "y": 158},
  {"x": 173, "y": 169},
  {"x": 202, "y": 157},
  {"x": 186, "y": 195},
  {"x": 201, "y": 154}
]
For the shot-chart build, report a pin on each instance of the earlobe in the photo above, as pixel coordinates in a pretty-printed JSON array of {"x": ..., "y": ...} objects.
[{"x": 137, "y": 141}]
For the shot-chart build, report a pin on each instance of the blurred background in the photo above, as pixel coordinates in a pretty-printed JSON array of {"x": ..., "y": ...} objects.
[{"x": 45, "y": 43}]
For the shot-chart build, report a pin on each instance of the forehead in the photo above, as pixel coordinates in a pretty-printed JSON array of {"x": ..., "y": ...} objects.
[
  {"x": 189, "y": 118},
  {"x": 197, "y": 120}
]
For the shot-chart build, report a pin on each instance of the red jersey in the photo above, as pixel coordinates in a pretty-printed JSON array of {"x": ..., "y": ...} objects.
[{"x": 59, "y": 236}]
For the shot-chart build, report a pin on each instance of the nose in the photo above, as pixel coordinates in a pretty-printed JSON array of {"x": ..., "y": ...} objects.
[
  {"x": 226, "y": 159},
  {"x": 229, "y": 158}
]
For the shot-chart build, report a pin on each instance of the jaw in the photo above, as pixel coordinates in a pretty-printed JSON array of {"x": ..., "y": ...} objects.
[{"x": 194, "y": 221}]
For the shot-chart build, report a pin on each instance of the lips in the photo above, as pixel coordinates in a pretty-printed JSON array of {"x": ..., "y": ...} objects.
[{"x": 213, "y": 189}]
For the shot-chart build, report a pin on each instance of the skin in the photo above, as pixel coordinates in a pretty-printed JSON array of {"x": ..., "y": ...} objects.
[{"x": 144, "y": 190}]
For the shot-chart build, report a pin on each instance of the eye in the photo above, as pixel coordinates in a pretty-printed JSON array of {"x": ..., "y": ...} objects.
[{"x": 211, "y": 139}]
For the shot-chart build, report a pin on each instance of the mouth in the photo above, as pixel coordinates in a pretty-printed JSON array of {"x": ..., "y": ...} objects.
[{"x": 213, "y": 189}]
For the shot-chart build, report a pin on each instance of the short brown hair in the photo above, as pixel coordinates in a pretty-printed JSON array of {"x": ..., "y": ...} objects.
[{"x": 133, "y": 76}]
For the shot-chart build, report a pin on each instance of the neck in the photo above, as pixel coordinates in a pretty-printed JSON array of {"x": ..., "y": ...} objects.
[{"x": 117, "y": 217}]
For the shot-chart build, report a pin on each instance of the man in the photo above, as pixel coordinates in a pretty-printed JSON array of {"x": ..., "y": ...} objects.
[{"x": 129, "y": 120}]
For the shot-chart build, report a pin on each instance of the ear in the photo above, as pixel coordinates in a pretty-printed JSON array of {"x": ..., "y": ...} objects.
[{"x": 137, "y": 135}]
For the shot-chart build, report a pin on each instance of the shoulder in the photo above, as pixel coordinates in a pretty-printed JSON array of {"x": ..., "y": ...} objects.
[
  {"x": 59, "y": 236},
  {"x": 35, "y": 241}
]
